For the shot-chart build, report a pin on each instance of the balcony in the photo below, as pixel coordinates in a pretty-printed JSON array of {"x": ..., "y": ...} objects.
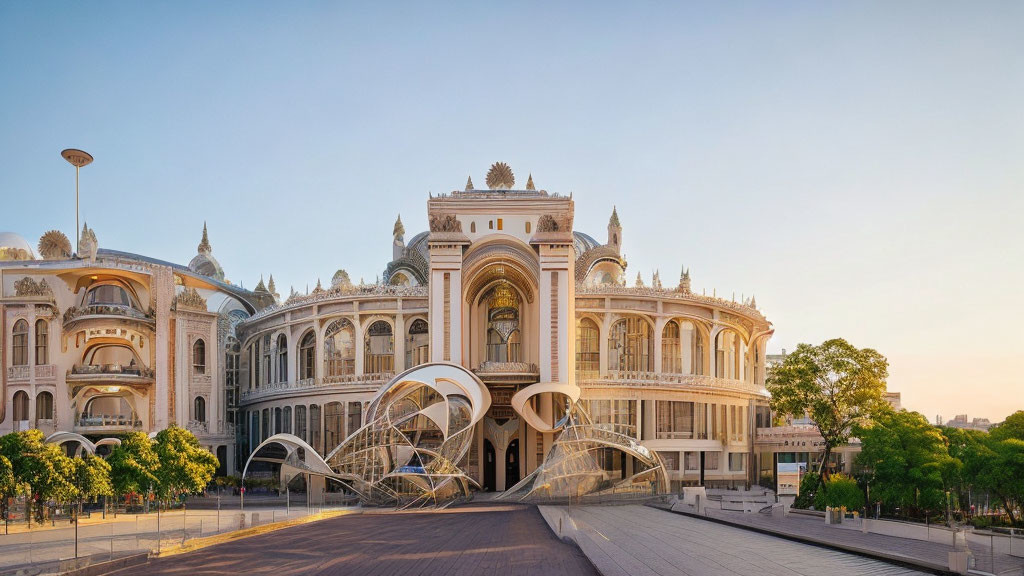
[
  {"x": 98, "y": 423},
  {"x": 507, "y": 372},
  {"x": 109, "y": 373},
  {"x": 78, "y": 314},
  {"x": 45, "y": 372},
  {"x": 672, "y": 381},
  {"x": 329, "y": 383},
  {"x": 15, "y": 373}
]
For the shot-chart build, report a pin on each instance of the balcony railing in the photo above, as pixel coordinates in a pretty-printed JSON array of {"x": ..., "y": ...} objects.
[
  {"x": 198, "y": 427},
  {"x": 109, "y": 421},
  {"x": 306, "y": 384},
  {"x": 18, "y": 372},
  {"x": 683, "y": 381},
  {"x": 76, "y": 313},
  {"x": 45, "y": 371},
  {"x": 109, "y": 370}
]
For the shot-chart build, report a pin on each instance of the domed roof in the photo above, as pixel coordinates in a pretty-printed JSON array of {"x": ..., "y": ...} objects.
[{"x": 15, "y": 247}]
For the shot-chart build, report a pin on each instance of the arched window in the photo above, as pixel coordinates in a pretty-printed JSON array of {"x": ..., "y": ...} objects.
[
  {"x": 503, "y": 336},
  {"x": 286, "y": 420},
  {"x": 417, "y": 346},
  {"x": 334, "y": 418},
  {"x": 282, "y": 358},
  {"x": 42, "y": 342},
  {"x": 199, "y": 409},
  {"x": 380, "y": 349},
  {"x": 108, "y": 295},
  {"x": 671, "y": 353},
  {"x": 268, "y": 375},
  {"x": 472, "y": 227},
  {"x": 340, "y": 349},
  {"x": 588, "y": 349},
  {"x": 691, "y": 341},
  {"x": 19, "y": 343},
  {"x": 728, "y": 355},
  {"x": 307, "y": 356},
  {"x": 44, "y": 406},
  {"x": 199, "y": 356},
  {"x": 630, "y": 346},
  {"x": 20, "y": 406},
  {"x": 527, "y": 226},
  {"x": 300, "y": 422},
  {"x": 314, "y": 428}
]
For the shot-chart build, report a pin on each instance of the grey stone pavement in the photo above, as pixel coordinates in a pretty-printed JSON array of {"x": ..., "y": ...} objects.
[
  {"x": 488, "y": 539},
  {"x": 640, "y": 541},
  {"x": 933, "y": 553}
]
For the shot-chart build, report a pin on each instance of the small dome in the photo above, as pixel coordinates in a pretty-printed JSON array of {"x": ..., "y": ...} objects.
[
  {"x": 14, "y": 247},
  {"x": 207, "y": 265}
]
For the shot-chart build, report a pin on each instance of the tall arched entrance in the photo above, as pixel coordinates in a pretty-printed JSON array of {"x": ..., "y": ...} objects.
[
  {"x": 490, "y": 467},
  {"x": 512, "y": 464}
]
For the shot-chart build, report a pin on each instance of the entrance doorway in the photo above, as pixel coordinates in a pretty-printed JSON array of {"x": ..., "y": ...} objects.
[
  {"x": 512, "y": 464},
  {"x": 490, "y": 467}
]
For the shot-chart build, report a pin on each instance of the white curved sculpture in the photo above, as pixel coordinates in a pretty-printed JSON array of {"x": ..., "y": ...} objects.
[
  {"x": 418, "y": 431},
  {"x": 521, "y": 399},
  {"x": 297, "y": 456},
  {"x": 61, "y": 438}
]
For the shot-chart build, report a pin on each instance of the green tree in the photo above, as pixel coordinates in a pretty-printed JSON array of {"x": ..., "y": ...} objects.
[
  {"x": 133, "y": 465},
  {"x": 185, "y": 467},
  {"x": 43, "y": 467},
  {"x": 8, "y": 484},
  {"x": 995, "y": 463},
  {"x": 836, "y": 384},
  {"x": 91, "y": 477},
  {"x": 907, "y": 459}
]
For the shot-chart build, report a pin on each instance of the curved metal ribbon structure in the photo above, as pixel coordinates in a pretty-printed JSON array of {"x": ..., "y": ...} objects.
[
  {"x": 521, "y": 399},
  {"x": 419, "y": 428},
  {"x": 573, "y": 468}
]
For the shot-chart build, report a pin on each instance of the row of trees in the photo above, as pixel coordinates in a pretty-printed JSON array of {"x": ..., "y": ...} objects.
[
  {"x": 170, "y": 465},
  {"x": 905, "y": 463}
]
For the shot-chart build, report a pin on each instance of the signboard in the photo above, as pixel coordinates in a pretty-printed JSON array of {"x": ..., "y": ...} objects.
[{"x": 788, "y": 476}]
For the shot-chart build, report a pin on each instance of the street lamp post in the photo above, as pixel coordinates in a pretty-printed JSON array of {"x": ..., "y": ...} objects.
[{"x": 77, "y": 158}]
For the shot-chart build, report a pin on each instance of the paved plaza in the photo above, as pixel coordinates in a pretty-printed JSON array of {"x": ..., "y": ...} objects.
[
  {"x": 469, "y": 540},
  {"x": 643, "y": 541}
]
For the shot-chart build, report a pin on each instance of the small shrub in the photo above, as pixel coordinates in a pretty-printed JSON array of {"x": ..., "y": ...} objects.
[
  {"x": 840, "y": 490},
  {"x": 807, "y": 486}
]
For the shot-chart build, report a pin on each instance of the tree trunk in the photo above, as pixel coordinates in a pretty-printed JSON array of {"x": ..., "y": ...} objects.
[{"x": 823, "y": 468}]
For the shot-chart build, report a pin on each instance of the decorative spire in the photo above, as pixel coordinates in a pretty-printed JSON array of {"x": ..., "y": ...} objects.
[
  {"x": 204, "y": 244},
  {"x": 260, "y": 287},
  {"x": 639, "y": 281},
  {"x": 753, "y": 302},
  {"x": 399, "y": 230},
  {"x": 318, "y": 288},
  {"x": 684, "y": 280},
  {"x": 656, "y": 280},
  {"x": 469, "y": 183},
  {"x": 614, "y": 220},
  {"x": 271, "y": 288},
  {"x": 529, "y": 183}
]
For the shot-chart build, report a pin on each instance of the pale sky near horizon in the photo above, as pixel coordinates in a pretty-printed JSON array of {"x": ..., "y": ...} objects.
[{"x": 857, "y": 166}]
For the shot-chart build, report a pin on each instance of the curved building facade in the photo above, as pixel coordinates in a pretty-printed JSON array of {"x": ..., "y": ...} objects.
[{"x": 501, "y": 284}]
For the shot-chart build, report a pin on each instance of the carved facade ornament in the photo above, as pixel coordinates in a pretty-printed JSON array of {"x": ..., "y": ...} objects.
[
  {"x": 29, "y": 287},
  {"x": 445, "y": 223},
  {"x": 469, "y": 183},
  {"x": 88, "y": 246},
  {"x": 500, "y": 177},
  {"x": 190, "y": 299},
  {"x": 529, "y": 183},
  {"x": 204, "y": 244},
  {"x": 54, "y": 245}
]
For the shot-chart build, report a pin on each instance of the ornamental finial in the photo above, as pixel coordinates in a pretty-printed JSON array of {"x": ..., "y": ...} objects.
[
  {"x": 204, "y": 244},
  {"x": 399, "y": 230},
  {"x": 469, "y": 183},
  {"x": 529, "y": 182}
]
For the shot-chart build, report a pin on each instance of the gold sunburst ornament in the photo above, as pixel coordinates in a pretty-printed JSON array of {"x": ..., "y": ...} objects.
[
  {"x": 54, "y": 245},
  {"x": 500, "y": 177}
]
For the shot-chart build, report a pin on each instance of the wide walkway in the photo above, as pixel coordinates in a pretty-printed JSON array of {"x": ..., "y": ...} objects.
[
  {"x": 639, "y": 541},
  {"x": 478, "y": 539}
]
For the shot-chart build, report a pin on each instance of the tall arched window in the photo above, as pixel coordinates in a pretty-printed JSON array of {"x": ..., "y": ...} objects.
[
  {"x": 340, "y": 349},
  {"x": 282, "y": 358},
  {"x": 334, "y": 418},
  {"x": 307, "y": 356},
  {"x": 199, "y": 356},
  {"x": 300, "y": 422},
  {"x": 268, "y": 375},
  {"x": 417, "y": 345},
  {"x": 44, "y": 407},
  {"x": 671, "y": 354},
  {"x": 630, "y": 346},
  {"x": 503, "y": 337},
  {"x": 232, "y": 360},
  {"x": 314, "y": 428},
  {"x": 20, "y": 406},
  {"x": 692, "y": 344},
  {"x": 380, "y": 349},
  {"x": 199, "y": 409},
  {"x": 19, "y": 343},
  {"x": 42, "y": 342},
  {"x": 728, "y": 355},
  {"x": 588, "y": 349}
]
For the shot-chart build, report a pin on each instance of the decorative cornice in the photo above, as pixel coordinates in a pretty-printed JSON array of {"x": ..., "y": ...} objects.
[
  {"x": 29, "y": 287},
  {"x": 190, "y": 299}
]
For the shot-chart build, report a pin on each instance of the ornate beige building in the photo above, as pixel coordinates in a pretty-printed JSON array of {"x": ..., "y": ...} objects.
[{"x": 502, "y": 284}]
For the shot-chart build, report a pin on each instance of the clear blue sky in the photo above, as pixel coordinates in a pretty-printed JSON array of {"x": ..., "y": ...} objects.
[{"x": 857, "y": 166}]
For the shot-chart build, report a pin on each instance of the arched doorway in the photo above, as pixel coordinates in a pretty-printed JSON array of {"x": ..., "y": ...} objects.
[
  {"x": 512, "y": 464},
  {"x": 490, "y": 467}
]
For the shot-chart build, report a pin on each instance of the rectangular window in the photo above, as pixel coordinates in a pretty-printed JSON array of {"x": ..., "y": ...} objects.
[
  {"x": 711, "y": 460},
  {"x": 737, "y": 462},
  {"x": 692, "y": 461},
  {"x": 674, "y": 419},
  {"x": 671, "y": 460},
  {"x": 500, "y": 226},
  {"x": 355, "y": 417}
]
